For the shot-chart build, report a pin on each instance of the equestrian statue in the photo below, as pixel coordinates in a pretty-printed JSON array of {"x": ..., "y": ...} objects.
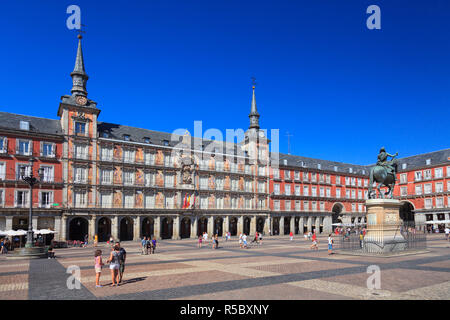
[{"x": 384, "y": 173}]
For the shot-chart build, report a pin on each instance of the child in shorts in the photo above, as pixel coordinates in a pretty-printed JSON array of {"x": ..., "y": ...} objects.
[{"x": 98, "y": 267}]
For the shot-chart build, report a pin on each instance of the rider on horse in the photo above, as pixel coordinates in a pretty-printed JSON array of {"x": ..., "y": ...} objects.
[{"x": 383, "y": 162}]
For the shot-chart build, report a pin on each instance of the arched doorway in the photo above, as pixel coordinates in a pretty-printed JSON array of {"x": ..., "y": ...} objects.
[
  {"x": 218, "y": 226},
  {"x": 260, "y": 225},
  {"x": 166, "y": 228},
  {"x": 202, "y": 226},
  {"x": 276, "y": 226},
  {"x": 185, "y": 228},
  {"x": 126, "y": 229},
  {"x": 287, "y": 225},
  {"x": 247, "y": 225},
  {"x": 147, "y": 227},
  {"x": 296, "y": 221},
  {"x": 104, "y": 229},
  {"x": 233, "y": 226},
  {"x": 407, "y": 214},
  {"x": 78, "y": 228},
  {"x": 336, "y": 214}
]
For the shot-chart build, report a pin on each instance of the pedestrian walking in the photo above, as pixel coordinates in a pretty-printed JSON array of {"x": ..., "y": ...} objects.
[
  {"x": 240, "y": 240},
  {"x": 153, "y": 245},
  {"x": 98, "y": 267},
  {"x": 361, "y": 239},
  {"x": 244, "y": 240},
  {"x": 122, "y": 259},
  {"x": 200, "y": 238},
  {"x": 447, "y": 233},
  {"x": 86, "y": 241},
  {"x": 217, "y": 241},
  {"x": 330, "y": 244},
  {"x": 114, "y": 265},
  {"x": 255, "y": 239},
  {"x": 144, "y": 244},
  {"x": 291, "y": 235},
  {"x": 95, "y": 240}
]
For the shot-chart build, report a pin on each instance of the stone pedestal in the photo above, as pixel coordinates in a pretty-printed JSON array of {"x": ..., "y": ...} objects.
[{"x": 383, "y": 226}]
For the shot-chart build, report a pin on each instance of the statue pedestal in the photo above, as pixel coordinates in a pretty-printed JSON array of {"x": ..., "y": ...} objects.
[{"x": 383, "y": 227}]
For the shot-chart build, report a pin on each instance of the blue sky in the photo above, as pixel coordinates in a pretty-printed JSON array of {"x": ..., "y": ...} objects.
[{"x": 321, "y": 74}]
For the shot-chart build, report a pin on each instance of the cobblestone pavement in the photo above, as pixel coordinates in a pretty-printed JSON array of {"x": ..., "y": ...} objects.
[{"x": 279, "y": 269}]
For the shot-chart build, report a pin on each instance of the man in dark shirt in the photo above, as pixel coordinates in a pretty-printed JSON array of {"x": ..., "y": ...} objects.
[{"x": 122, "y": 258}]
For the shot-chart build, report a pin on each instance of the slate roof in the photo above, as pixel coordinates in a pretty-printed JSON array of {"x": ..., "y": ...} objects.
[
  {"x": 11, "y": 121},
  {"x": 420, "y": 160}
]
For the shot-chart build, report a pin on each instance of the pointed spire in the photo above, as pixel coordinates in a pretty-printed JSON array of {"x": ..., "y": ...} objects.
[
  {"x": 79, "y": 76},
  {"x": 254, "y": 115}
]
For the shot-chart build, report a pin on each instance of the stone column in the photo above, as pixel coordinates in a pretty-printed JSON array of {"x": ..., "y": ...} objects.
[
  {"x": 137, "y": 228},
  {"x": 176, "y": 228},
  {"x": 194, "y": 227},
  {"x": 253, "y": 225},
  {"x": 92, "y": 230},
  {"x": 57, "y": 229},
  {"x": 267, "y": 226},
  {"x": 301, "y": 223},
  {"x": 281, "y": 226},
  {"x": 210, "y": 227},
  {"x": 63, "y": 236},
  {"x": 309, "y": 224},
  {"x": 115, "y": 227},
  {"x": 240, "y": 225},
  {"x": 157, "y": 227},
  {"x": 318, "y": 225},
  {"x": 292, "y": 224},
  {"x": 327, "y": 228},
  {"x": 226, "y": 225}
]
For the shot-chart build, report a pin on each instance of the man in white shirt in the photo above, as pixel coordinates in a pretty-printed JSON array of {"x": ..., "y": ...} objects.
[{"x": 447, "y": 233}]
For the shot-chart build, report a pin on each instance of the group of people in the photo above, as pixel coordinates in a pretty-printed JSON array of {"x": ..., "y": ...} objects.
[
  {"x": 204, "y": 239},
  {"x": 148, "y": 245},
  {"x": 116, "y": 262},
  {"x": 4, "y": 245}
]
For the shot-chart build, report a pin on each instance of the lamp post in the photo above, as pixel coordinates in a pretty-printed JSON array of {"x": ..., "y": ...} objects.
[{"x": 31, "y": 180}]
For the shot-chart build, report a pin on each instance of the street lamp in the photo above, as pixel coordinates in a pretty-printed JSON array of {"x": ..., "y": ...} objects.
[{"x": 31, "y": 180}]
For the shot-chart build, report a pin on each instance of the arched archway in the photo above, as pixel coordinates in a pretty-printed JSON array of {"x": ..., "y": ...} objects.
[
  {"x": 126, "y": 229},
  {"x": 185, "y": 228},
  {"x": 218, "y": 226},
  {"x": 260, "y": 224},
  {"x": 246, "y": 228},
  {"x": 233, "y": 226},
  {"x": 336, "y": 216},
  {"x": 148, "y": 227},
  {"x": 78, "y": 228},
  {"x": 104, "y": 229},
  {"x": 296, "y": 222},
  {"x": 407, "y": 214},
  {"x": 287, "y": 225},
  {"x": 166, "y": 228},
  {"x": 202, "y": 226}
]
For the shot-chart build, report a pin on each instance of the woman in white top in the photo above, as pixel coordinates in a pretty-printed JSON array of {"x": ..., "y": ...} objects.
[{"x": 114, "y": 265}]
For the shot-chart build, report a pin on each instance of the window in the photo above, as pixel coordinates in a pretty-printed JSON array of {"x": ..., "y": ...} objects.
[
  {"x": 353, "y": 194},
  {"x": 146, "y": 140},
  {"x": 305, "y": 190},
  {"x": 347, "y": 194},
  {"x": 149, "y": 200},
  {"x": 48, "y": 149},
  {"x": 276, "y": 205},
  {"x": 80, "y": 151},
  {"x": 353, "y": 207},
  {"x": 313, "y": 177},
  {"x": 297, "y": 175},
  {"x": 314, "y": 191},
  {"x": 305, "y": 205},
  {"x": 24, "y": 125},
  {"x": 428, "y": 161},
  {"x": 439, "y": 202},
  {"x": 80, "y": 128},
  {"x": 418, "y": 189},
  {"x": 129, "y": 200},
  {"x": 428, "y": 203},
  {"x": 2, "y": 200},
  {"x": 105, "y": 134},
  {"x": 48, "y": 173},
  {"x": 287, "y": 189},
  {"x": 2, "y": 170},
  {"x": 107, "y": 153},
  {"x": 106, "y": 199},
  {"x": 3, "y": 145},
  {"x": 287, "y": 205},
  {"x": 319, "y": 166},
  {"x": 448, "y": 171},
  {"x": 297, "y": 190},
  {"x": 427, "y": 189},
  {"x": 21, "y": 199},
  {"x": 297, "y": 205},
  {"x": 106, "y": 176},
  {"x": 314, "y": 206},
  {"x": 287, "y": 175},
  {"x": 328, "y": 192},
  {"x": 165, "y": 142},
  {"x": 338, "y": 180},
  {"x": 276, "y": 174},
  {"x": 404, "y": 165},
  {"x": 439, "y": 187},
  {"x": 19, "y": 169},
  {"x": 438, "y": 173},
  {"x": 126, "y": 137},
  {"x": 403, "y": 191},
  {"x": 276, "y": 189},
  {"x": 45, "y": 199},
  {"x": 305, "y": 176},
  {"x": 322, "y": 206},
  {"x": 418, "y": 175},
  {"x": 359, "y": 207},
  {"x": 168, "y": 160},
  {"x": 448, "y": 185},
  {"x": 169, "y": 180},
  {"x": 219, "y": 184},
  {"x": 360, "y": 194},
  {"x": 403, "y": 178},
  {"x": 203, "y": 182},
  {"x": 353, "y": 181},
  {"x": 128, "y": 156},
  {"x": 24, "y": 147},
  {"x": 427, "y": 174},
  {"x": 79, "y": 175},
  {"x": 322, "y": 192},
  {"x": 149, "y": 158},
  {"x": 338, "y": 193},
  {"x": 128, "y": 177},
  {"x": 80, "y": 199}
]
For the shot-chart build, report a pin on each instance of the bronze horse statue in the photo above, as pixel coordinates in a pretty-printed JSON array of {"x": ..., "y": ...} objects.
[{"x": 384, "y": 174}]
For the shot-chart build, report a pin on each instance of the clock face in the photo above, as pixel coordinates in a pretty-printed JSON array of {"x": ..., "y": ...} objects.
[{"x": 81, "y": 100}]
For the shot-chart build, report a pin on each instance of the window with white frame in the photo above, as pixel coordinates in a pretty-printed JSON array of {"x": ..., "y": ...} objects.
[
  {"x": 19, "y": 167},
  {"x": 353, "y": 207},
  {"x": 128, "y": 177},
  {"x": 305, "y": 205},
  {"x": 48, "y": 173},
  {"x": 276, "y": 205},
  {"x": 262, "y": 171},
  {"x": 169, "y": 180},
  {"x": 353, "y": 194},
  {"x": 314, "y": 191},
  {"x": 168, "y": 160},
  {"x": 403, "y": 191},
  {"x": 418, "y": 176},
  {"x": 321, "y": 177},
  {"x": 3, "y": 145},
  {"x": 248, "y": 186},
  {"x": 45, "y": 199},
  {"x": 107, "y": 153},
  {"x": 21, "y": 198},
  {"x": 428, "y": 203},
  {"x": 129, "y": 155},
  {"x": 287, "y": 175},
  {"x": 149, "y": 200},
  {"x": 338, "y": 193},
  {"x": 353, "y": 179},
  {"x": 128, "y": 200},
  {"x": 448, "y": 185},
  {"x": 347, "y": 194},
  {"x": 360, "y": 207},
  {"x": 204, "y": 182},
  {"x": 296, "y": 175},
  {"x": 234, "y": 184},
  {"x": 149, "y": 179},
  {"x": 360, "y": 194},
  {"x": 149, "y": 158},
  {"x": 305, "y": 176},
  {"x": 322, "y": 206},
  {"x": 248, "y": 203},
  {"x": 439, "y": 187},
  {"x": 276, "y": 189},
  {"x": 439, "y": 202},
  {"x": 79, "y": 174},
  {"x": 427, "y": 174},
  {"x": 2, "y": 170},
  {"x": 261, "y": 187},
  {"x": 366, "y": 182},
  {"x": 106, "y": 199},
  {"x": 314, "y": 206},
  {"x": 24, "y": 147},
  {"x": 297, "y": 205},
  {"x": 427, "y": 188},
  {"x": 80, "y": 151},
  {"x": 322, "y": 192},
  {"x": 328, "y": 192},
  {"x": 287, "y": 189},
  {"x": 234, "y": 202},
  {"x": 418, "y": 189},
  {"x": 287, "y": 205},
  {"x": 219, "y": 183},
  {"x": 338, "y": 180},
  {"x": 347, "y": 181},
  {"x": 261, "y": 203},
  {"x": 403, "y": 178},
  {"x": 276, "y": 173},
  {"x": 48, "y": 149},
  {"x": 438, "y": 173},
  {"x": 80, "y": 198},
  {"x": 359, "y": 182},
  {"x": 204, "y": 202},
  {"x": 106, "y": 176},
  {"x": 448, "y": 171},
  {"x": 219, "y": 166},
  {"x": 305, "y": 190},
  {"x": 297, "y": 190},
  {"x": 219, "y": 202},
  {"x": 313, "y": 177}
]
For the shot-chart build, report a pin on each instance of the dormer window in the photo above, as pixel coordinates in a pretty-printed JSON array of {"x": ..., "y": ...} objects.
[
  {"x": 146, "y": 139},
  {"x": 285, "y": 162},
  {"x": 404, "y": 165},
  {"x": 126, "y": 137},
  {"x": 319, "y": 166},
  {"x": 24, "y": 125},
  {"x": 428, "y": 162},
  {"x": 105, "y": 135},
  {"x": 350, "y": 170},
  {"x": 166, "y": 142},
  {"x": 335, "y": 168}
]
